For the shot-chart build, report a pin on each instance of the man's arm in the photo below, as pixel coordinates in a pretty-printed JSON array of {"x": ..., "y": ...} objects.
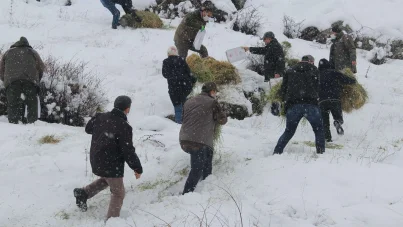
[
  {"x": 280, "y": 61},
  {"x": 343, "y": 79},
  {"x": 40, "y": 66},
  {"x": 258, "y": 50},
  {"x": 219, "y": 114},
  {"x": 129, "y": 152},
  {"x": 2, "y": 67},
  {"x": 284, "y": 87},
  {"x": 89, "y": 128},
  {"x": 165, "y": 70},
  {"x": 350, "y": 46}
]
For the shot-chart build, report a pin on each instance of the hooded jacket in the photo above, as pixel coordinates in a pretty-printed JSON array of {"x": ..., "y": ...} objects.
[
  {"x": 112, "y": 145},
  {"x": 191, "y": 24},
  {"x": 331, "y": 82},
  {"x": 301, "y": 85},
  {"x": 21, "y": 62}
]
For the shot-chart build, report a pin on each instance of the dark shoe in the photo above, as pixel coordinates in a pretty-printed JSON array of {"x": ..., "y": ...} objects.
[
  {"x": 114, "y": 27},
  {"x": 329, "y": 140},
  {"x": 339, "y": 129},
  {"x": 276, "y": 152},
  {"x": 319, "y": 151},
  {"x": 81, "y": 199}
]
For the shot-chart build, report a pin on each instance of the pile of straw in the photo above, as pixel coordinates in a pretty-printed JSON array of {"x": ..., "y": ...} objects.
[
  {"x": 211, "y": 70},
  {"x": 354, "y": 96},
  {"x": 149, "y": 20}
]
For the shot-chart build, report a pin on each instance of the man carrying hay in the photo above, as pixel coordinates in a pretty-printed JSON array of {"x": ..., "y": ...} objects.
[
  {"x": 201, "y": 117},
  {"x": 180, "y": 81},
  {"x": 331, "y": 87},
  {"x": 300, "y": 94},
  {"x": 127, "y": 6},
  {"x": 190, "y": 26},
  {"x": 343, "y": 51}
]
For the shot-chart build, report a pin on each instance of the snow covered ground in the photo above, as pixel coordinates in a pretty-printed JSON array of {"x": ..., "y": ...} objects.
[{"x": 358, "y": 185}]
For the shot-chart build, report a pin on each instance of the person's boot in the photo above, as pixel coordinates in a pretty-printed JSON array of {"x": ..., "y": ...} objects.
[
  {"x": 81, "y": 199},
  {"x": 329, "y": 140},
  {"x": 339, "y": 129}
]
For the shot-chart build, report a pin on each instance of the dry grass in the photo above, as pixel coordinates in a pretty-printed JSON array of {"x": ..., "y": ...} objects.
[
  {"x": 328, "y": 145},
  {"x": 211, "y": 70},
  {"x": 292, "y": 62},
  {"x": 353, "y": 96},
  {"x": 150, "y": 20},
  {"x": 49, "y": 139}
]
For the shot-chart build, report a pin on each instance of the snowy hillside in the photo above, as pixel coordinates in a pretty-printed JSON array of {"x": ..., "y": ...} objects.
[{"x": 357, "y": 185}]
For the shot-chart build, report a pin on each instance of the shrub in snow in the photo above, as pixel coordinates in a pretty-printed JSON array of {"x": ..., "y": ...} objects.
[
  {"x": 209, "y": 69},
  {"x": 248, "y": 21},
  {"x": 379, "y": 54},
  {"x": 309, "y": 33},
  {"x": 69, "y": 93},
  {"x": 149, "y": 20},
  {"x": 397, "y": 49},
  {"x": 292, "y": 29}
]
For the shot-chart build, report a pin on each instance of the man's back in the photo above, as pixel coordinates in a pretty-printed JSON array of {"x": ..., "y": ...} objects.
[
  {"x": 111, "y": 144},
  {"x": 301, "y": 84},
  {"x": 198, "y": 120}
]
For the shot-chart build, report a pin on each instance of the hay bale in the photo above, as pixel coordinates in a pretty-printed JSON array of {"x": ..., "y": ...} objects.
[
  {"x": 149, "y": 20},
  {"x": 354, "y": 96},
  {"x": 292, "y": 62},
  {"x": 211, "y": 70}
]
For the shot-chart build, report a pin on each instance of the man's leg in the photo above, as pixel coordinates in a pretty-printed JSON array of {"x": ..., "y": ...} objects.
[
  {"x": 196, "y": 170},
  {"x": 315, "y": 119},
  {"x": 178, "y": 113},
  {"x": 15, "y": 108},
  {"x": 208, "y": 164},
  {"x": 337, "y": 114},
  {"x": 115, "y": 12},
  {"x": 30, "y": 92},
  {"x": 326, "y": 123},
  {"x": 95, "y": 187},
  {"x": 294, "y": 115},
  {"x": 118, "y": 194}
]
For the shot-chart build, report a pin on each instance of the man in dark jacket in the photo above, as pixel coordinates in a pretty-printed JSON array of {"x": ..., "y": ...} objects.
[
  {"x": 300, "y": 91},
  {"x": 21, "y": 70},
  {"x": 202, "y": 115},
  {"x": 343, "y": 51},
  {"x": 274, "y": 60},
  {"x": 127, "y": 6},
  {"x": 331, "y": 82},
  {"x": 111, "y": 147},
  {"x": 187, "y": 31},
  {"x": 180, "y": 81}
]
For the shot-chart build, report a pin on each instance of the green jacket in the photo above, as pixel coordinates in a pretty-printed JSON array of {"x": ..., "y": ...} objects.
[
  {"x": 343, "y": 53},
  {"x": 21, "y": 62},
  {"x": 189, "y": 27}
]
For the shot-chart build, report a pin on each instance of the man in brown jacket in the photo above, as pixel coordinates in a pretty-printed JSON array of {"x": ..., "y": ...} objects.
[
  {"x": 343, "y": 51},
  {"x": 187, "y": 31},
  {"x": 201, "y": 116},
  {"x": 21, "y": 69}
]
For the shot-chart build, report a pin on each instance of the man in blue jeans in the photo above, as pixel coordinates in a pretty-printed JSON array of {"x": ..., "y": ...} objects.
[
  {"x": 127, "y": 6},
  {"x": 201, "y": 116},
  {"x": 300, "y": 93}
]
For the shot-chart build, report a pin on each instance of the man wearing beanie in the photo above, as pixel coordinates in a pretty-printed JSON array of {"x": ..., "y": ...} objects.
[
  {"x": 201, "y": 116},
  {"x": 300, "y": 93},
  {"x": 343, "y": 51},
  {"x": 111, "y": 147},
  {"x": 21, "y": 70},
  {"x": 180, "y": 80}
]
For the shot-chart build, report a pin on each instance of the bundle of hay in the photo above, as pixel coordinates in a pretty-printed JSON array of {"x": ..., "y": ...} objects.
[
  {"x": 354, "y": 96},
  {"x": 211, "y": 70},
  {"x": 274, "y": 96},
  {"x": 149, "y": 20}
]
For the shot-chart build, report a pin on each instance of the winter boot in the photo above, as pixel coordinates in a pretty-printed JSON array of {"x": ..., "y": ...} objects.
[
  {"x": 81, "y": 199},
  {"x": 329, "y": 140},
  {"x": 339, "y": 129}
]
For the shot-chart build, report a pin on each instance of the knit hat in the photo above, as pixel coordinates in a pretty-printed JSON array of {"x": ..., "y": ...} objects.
[
  {"x": 268, "y": 35},
  {"x": 209, "y": 86},
  {"x": 122, "y": 102},
  {"x": 308, "y": 58},
  {"x": 336, "y": 29},
  {"x": 172, "y": 51}
]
